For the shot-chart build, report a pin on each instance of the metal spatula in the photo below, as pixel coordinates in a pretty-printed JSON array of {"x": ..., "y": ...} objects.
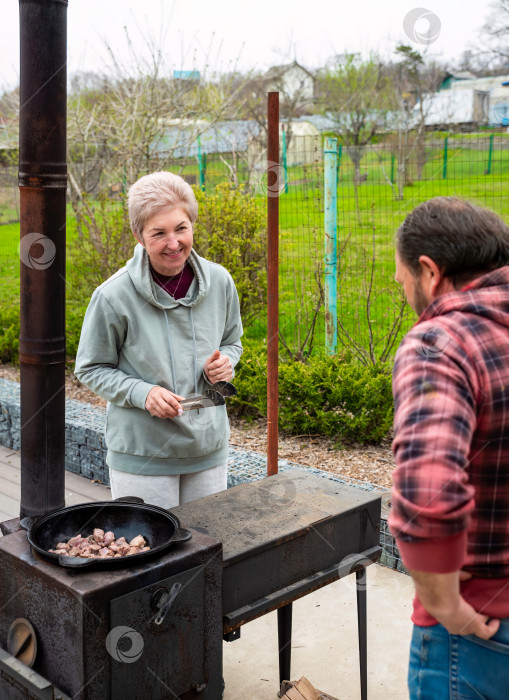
[
  {"x": 205, "y": 400},
  {"x": 210, "y": 397}
]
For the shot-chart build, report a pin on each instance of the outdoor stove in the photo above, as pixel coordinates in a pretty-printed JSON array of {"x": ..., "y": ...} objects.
[
  {"x": 255, "y": 548},
  {"x": 96, "y": 632}
]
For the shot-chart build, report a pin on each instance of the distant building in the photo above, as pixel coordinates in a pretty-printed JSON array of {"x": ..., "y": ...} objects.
[
  {"x": 466, "y": 108},
  {"x": 185, "y": 138},
  {"x": 186, "y": 75},
  {"x": 293, "y": 80},
  {"x": 496, "y": 107},
  {"x": 451, "y": 78}
]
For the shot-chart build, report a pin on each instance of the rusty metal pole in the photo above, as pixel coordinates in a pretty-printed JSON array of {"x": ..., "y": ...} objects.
[
  {"x": 273, "y": 187},
  {"x": 42, "y": 182}
]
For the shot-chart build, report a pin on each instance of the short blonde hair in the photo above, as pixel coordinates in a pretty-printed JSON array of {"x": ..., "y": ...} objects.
[{"x": 160, "y": 190}]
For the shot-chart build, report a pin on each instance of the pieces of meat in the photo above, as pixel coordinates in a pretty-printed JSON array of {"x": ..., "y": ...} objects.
[{"x": 100, "y": 545}]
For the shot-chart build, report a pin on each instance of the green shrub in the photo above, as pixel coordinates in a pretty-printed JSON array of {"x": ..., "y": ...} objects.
[
  {"x": 328, "y": 395},
  {"x": 102, "y": 245},
  {"x": 231, "y": 231},
  {"x": 9, "y": 334},
  {"x": 10, "y": 326},
  {"x": 73, "y": 322}
]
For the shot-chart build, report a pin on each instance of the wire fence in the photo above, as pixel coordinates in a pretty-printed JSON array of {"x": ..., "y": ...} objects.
[{"x": 377, "y": 185}]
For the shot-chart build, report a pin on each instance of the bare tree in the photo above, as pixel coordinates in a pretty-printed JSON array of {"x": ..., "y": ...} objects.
[
  {"x": 137, "y": 117},
  {"x": 492, "y": 51},
  {"x": 414, "y": 79},
  {"x": 357, "y": 95}
]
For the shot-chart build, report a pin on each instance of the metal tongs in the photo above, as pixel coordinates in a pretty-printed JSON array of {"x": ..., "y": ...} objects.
[{"x": 210, "y": 397}]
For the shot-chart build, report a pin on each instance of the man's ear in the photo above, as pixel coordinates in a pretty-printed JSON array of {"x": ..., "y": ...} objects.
[{"x": 432, "y": 278}]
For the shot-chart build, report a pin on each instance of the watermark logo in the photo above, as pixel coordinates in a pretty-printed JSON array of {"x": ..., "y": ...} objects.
[
  {"x": 422, "y": 26},
  {"x": 124, "y": 644},
  {"x": 498, "y": 111},
  {"x": 433, "y": 342},
  {"x": 201, "y": 418},
  {"x": 269, "y": 178},
  {"x": 276, "y": 494},
  {"x": 36, "y": 251},
  {"x": 353, "y": 570}
]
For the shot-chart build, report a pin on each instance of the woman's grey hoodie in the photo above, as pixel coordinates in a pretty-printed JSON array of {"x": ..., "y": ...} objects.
[{"x": 136, "y": 336}]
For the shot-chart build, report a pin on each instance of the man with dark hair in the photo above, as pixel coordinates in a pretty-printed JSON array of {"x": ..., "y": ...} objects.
[{"x": 450, "y": 500}]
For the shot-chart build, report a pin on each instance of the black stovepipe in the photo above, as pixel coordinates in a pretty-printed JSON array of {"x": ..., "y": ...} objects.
[{"x": 43, "y": 183}]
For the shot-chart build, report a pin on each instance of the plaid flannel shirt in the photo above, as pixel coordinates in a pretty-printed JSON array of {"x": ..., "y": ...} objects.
[{"x": 450, "y": 500}]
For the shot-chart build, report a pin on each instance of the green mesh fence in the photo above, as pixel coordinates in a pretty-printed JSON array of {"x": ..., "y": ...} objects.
[{"x": 377, "y": 186}]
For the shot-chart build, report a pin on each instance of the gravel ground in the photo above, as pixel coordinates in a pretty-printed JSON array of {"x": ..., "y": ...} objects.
[{"x": 372, "y": 464}]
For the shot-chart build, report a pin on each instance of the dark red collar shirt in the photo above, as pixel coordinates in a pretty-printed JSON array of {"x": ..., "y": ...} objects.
[{"x": 450, "y": 498}]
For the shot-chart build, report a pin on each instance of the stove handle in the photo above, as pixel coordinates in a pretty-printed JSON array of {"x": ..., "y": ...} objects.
[
  {"x": 166, "y": 603},
  {"x": 181, "y": 535},
  {"x": 27, "y": 522}
]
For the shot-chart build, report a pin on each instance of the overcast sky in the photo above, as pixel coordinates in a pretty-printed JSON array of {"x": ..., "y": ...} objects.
[{"x": 252, "y": 35}]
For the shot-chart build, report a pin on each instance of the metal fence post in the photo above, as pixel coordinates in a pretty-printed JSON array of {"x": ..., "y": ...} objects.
[
  {"x": 331, "y": 209},
  {"x": 490, "y": 156},
  {"x": 444, "y": 174},
  {"x": 285, "y": 168},
  {"x": 200, "y": 166},
  {"x": 340, "y": 150},
  {"x": 273, "y": 189}
]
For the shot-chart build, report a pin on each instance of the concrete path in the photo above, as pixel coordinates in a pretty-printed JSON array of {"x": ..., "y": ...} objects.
[{"x": 324, "y": 643}]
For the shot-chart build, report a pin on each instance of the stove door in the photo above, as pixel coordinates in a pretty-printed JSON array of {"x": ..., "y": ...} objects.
[{"x": 165, "y": 660}]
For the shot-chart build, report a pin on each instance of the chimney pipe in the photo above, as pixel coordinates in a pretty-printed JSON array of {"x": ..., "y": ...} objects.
[{"x": 43, "y": 183}]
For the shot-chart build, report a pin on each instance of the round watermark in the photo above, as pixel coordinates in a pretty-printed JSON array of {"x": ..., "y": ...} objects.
[
  {"x": 433, "y": 342},
  {"x": 275, "y": 494},
  {"x": 269, "y": 178},
  {"x": 422, "y": 26},
  {"x": 498, "y": 111},
  {"x": 36, "y": 251},
  {"x": 124, "y": 644},
  {"x": 353, "y": 571}
]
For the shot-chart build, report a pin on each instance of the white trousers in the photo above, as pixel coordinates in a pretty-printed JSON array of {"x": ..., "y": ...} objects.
[{"x": 169, "y": 491}]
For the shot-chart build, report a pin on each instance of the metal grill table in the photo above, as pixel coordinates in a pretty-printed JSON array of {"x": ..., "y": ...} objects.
[{"x": 283, "y": 537}]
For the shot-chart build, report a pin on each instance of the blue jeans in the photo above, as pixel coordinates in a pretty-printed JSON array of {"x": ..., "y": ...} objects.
[{"x": 447, "y": 666}]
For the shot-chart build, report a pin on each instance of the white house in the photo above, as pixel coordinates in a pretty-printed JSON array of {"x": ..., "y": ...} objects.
[
  {"x": 463, "y": 107},
  {"x": 292, "y": 80},
  {"x": 497, "y": 87}
]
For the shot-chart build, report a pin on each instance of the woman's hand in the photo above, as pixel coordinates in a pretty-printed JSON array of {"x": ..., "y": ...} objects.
[
  {"x": 163, "y": 403},
  {"x": 218, "y": 368}
]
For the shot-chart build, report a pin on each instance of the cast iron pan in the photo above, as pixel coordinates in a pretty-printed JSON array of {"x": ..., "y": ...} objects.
[{"x": 128, "y": 517}]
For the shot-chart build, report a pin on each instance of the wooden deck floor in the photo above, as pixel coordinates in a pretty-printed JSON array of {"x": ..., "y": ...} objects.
[{"x": 78, "y": 489}]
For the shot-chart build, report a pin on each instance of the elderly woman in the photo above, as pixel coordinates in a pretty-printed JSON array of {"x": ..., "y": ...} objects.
[{"x": 164, "y": 327}]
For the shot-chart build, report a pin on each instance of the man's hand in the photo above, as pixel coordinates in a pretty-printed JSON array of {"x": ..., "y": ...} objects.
[
  {"x": 440, "y": 596},
  {"x": 218, "y": 368},
  {"x": 163, "y": 403}
]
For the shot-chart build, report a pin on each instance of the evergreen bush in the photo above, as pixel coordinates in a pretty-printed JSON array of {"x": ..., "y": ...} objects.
[{"x": 334, "y": 395}]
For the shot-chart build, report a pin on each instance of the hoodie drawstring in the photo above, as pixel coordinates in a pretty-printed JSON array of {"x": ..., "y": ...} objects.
[
  {"x": 174, "y": 374},
  {"x": 172, "y": 362},
  {"x": 194, "y": 354}
]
